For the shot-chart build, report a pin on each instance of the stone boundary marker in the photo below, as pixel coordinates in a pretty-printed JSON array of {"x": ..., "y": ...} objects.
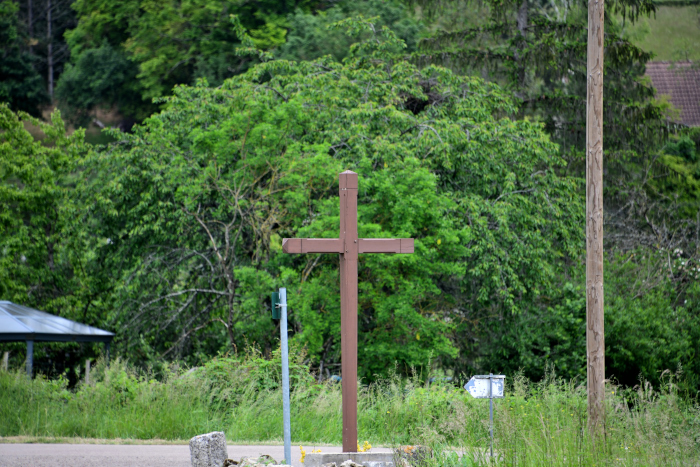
[{"x": 208, "y": 450}]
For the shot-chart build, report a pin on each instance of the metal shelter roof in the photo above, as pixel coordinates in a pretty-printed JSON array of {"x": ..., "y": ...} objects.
[{"x": 21, "y": 323}]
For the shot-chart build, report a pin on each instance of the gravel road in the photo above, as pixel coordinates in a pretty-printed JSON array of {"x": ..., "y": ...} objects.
[{"x": 102, "y": 455}]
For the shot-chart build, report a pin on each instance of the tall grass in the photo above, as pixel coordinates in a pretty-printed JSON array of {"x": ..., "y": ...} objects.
[
  {"x": 540, "y": 423},
  {"x": 119, "y": 404}
]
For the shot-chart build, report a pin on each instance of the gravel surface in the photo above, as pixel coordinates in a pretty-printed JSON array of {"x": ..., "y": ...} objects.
[{"x": 102, "y": 455}]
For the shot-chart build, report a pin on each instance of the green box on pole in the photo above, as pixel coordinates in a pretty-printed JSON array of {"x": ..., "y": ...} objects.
[{"x": 275, "y": 305}]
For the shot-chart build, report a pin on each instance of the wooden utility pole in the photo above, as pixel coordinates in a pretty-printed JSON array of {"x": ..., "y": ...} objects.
[
  {"x": 595, "y": 337},
  {"x": 348, "y": 245}
]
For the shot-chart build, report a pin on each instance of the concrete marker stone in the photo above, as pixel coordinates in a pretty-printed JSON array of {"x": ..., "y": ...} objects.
[{"x": 208, "y": 450}]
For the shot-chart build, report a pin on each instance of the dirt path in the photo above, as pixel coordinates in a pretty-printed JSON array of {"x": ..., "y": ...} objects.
[{"x": 110, "y": 455}]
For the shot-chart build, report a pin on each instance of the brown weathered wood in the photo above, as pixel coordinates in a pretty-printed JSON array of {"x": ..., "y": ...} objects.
[
  {"x": 312, "y": 245},
  {"x": 348, "y": 307},
  {"x": 291, "y": 245},
  {"x": 380, "y": 245},
  {"x": 595, "y": 337},
  {"x": 349, "y": 246}
]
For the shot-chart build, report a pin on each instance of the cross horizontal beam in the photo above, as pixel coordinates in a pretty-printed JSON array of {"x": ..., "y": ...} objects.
[{"x": 337, "y": 245}]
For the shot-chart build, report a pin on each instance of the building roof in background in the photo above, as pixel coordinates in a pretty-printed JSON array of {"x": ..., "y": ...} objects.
[
  {"x": 681, "y": 82},
  {"x": 20, "y": 323}
]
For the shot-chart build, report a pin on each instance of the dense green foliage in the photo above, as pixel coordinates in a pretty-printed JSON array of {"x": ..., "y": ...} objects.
[
  {"x": 535, "y": 424},
  {"x": 156, "y": 45},
  {"x": 537, "y": 51},
  {"x": 171, "y": 235},
  {"x": 311, "y": 35},
  {"x": 125, "y": 54},
  {"x": 21, "y": 85},
  {"x": 36, "y": 261},
  {"x": 261, "y": 155}
]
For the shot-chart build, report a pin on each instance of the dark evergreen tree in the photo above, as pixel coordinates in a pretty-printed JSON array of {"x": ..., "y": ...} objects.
[
  {"x": 537, "y": 50},
  {"x": 21, "y": 86}
]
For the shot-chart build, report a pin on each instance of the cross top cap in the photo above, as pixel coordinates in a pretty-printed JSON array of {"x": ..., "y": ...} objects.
[{"x": 348, "y": 180}]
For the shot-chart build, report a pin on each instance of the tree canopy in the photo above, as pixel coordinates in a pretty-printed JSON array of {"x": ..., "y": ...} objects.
[{"x": 195, "y": 230}]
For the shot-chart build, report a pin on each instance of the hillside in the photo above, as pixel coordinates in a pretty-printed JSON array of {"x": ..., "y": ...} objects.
[{"x": 674, "y": 34}]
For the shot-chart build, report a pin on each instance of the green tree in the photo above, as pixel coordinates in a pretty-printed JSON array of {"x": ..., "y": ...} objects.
[
  {"x": 188, "y": 213},
  {"x": 127, "y": 53},
  {"x": 21, "y": 86},
  {"x": 101, "y": 77},
  {"x": 310, "y": 36},
  {"x": 537, "y": 51},
  {"x": 37, "y": 265}
]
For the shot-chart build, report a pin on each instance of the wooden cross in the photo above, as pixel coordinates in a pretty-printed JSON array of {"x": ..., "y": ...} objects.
[{"x": 348, "y": 246}]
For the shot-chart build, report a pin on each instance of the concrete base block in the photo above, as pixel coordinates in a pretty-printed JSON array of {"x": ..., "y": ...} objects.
[
  {"x": 262, "y": 461},
  {"x": 365, "y": 459}
]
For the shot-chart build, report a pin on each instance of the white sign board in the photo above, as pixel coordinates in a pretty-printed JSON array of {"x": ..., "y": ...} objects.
[{"x": 478, "y": 386}]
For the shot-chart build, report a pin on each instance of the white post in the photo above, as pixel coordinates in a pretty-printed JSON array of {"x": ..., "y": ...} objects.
[
  {"x": 6, "y": 361},
  {"x": 87, "y": 371},
  {"x": 285, "y": 378}
]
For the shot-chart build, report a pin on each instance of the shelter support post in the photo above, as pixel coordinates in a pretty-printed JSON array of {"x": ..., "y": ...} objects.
[
  {"x": 6, "y": 361},
  {"x": 107, "y": 351},
  {"x": 30, "y": 357}
]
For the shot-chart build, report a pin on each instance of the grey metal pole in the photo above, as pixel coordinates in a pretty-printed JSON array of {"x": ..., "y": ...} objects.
[
  {"x": 491, "y": 409},
  {"x": 30, "y": 357},
  {"x": 285, "y": 378}
]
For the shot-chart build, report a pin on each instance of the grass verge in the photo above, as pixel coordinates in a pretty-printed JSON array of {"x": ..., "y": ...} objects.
[{"x": 540, "y": 423}]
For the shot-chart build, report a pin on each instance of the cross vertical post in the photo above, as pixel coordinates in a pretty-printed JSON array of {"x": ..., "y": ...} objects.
[
  {"x": 348, "y": 246},
  {"x": 348, "y": 306}
]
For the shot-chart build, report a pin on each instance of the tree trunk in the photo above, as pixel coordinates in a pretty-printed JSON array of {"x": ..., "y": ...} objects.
[
  {"x": 522, "y": 18},
  {"x": 521, "y": 23},
  {"x": 30, "y": 23},
  {"x": 595, "y": 338},
  {"x": 49, "y": 48}
]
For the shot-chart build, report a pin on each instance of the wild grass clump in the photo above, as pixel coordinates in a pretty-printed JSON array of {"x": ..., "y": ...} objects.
[
  {"x": 118, "y": 403},
  {"x": 541, "y": 423}
]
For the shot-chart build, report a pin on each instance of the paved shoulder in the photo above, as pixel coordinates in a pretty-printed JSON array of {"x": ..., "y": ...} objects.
[{"x": 109, "y": 455}]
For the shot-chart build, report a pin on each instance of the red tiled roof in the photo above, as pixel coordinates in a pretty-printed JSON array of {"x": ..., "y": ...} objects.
[{"x": 681, "y": 82}]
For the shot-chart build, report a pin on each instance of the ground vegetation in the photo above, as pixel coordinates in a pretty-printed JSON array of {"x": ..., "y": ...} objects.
[{"x": 535, "y": 424}]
